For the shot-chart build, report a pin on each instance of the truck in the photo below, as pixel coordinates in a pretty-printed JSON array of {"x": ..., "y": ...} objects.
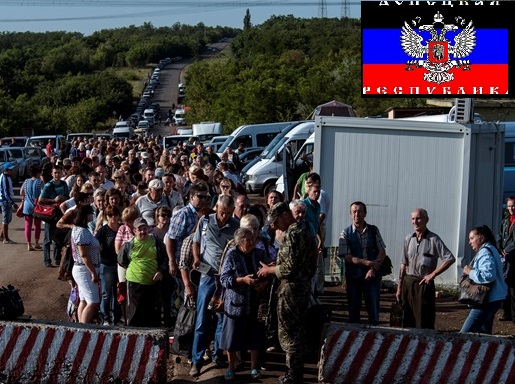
[
  {"x": 261, "y": 177},
  {"x": 206, "y": 130},
  {"x": 453, "y": 170}
]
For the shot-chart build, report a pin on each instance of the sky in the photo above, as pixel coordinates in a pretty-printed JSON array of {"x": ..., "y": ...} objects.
[{"x": 88, "y": 16}]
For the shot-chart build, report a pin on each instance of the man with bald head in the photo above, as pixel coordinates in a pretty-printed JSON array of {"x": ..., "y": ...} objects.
[{"x": 416, "y": 289}]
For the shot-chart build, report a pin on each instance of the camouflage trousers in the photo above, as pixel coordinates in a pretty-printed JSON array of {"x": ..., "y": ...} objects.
[{"x": 292, "y": 308}]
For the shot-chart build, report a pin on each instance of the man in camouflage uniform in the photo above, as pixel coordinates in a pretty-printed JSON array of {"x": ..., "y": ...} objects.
[{"x": 296, "y": 264}]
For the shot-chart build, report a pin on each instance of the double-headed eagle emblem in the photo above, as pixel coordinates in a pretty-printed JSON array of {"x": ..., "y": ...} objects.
[{"x": 438, "y": 50}]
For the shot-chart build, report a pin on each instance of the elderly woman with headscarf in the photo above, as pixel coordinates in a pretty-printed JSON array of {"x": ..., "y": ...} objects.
[{"x": 241, "y": 329}]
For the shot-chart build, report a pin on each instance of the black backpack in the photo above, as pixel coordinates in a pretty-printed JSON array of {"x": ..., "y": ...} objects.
[{"x": 11, "y": 304}]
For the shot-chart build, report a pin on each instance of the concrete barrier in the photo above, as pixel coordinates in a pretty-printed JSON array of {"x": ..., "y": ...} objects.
[
  {"x": 72, "y": 353},
  {"x": 354, "y": 354}
]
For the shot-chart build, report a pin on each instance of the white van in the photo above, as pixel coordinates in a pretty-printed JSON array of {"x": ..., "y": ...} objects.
[
  {"x": 123, "y": 132},
  {"x": 261, "y": 177},
  {"x": 303, "y": 156},
  {"x": 179, "y": 117},
  {"x": 150, "y": 116},
  {"x": 206, "y": 130},
  {"x": 42, "y": 141},
  {"x": 254, "y": 135}
]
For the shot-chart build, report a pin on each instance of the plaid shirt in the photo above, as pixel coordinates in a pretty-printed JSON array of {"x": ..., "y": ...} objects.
[
  {"x": 186, "y": 260},
  {"x": 124, "y": 234},
  {"x": 181, "y": 225}
]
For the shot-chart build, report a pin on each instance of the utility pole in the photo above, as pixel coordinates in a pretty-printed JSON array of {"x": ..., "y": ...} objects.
[
  {"x": 345, "y": 9},
  {"x": 322, "y": 9}
]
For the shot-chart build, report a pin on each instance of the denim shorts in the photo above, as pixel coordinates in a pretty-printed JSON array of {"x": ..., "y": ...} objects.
[
  {"x": 7, "y": 212},
  {"x": 88, "y": 290}
]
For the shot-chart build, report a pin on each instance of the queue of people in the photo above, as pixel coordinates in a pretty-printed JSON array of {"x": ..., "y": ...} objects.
[{"x": 142, "y": 218}]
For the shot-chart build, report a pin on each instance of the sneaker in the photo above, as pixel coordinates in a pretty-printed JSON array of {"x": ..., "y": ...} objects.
[
  {"x": 229, "y": 375},
  {"x": 255, "y": 374},
  {"x": 195, "y": 370},
  {"x": 9, "y": 242},
  {"x": 38, "y": 247}
]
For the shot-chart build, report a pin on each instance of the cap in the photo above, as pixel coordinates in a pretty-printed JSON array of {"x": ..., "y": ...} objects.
[
  {"x": 160, "y": 172},
  {"x": 156, "y": 184},
  {"x": 276, "y": 211},
  {"x": 116, "y": 158},
  {"x": 144, "y": 155},
  {"x": 8, "y": 166},
  {"x": 139, "y": 222}
]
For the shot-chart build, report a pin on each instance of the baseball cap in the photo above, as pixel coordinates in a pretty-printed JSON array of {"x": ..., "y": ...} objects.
[
  {"x": 276, "y": 211},
  {"x": 139, "y": 222},
  {"x": 160, "y": 172},
  {"x": 156, "y": 184},
  {"x": 8, "y": 166},
  {"x": 144, "y": 155}
]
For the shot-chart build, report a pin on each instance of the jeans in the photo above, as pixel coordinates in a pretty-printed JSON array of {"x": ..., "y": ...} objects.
[
  {"x": 50, "y": 230},
  {"x": 109, "y": 303},
  {"x": 203, "y": 321},
  {"x": 369, "y": 289},
  {"x": 481, "y": 318}
]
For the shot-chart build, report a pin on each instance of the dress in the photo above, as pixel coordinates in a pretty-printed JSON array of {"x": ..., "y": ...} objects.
[
  {"x": 241, "y": 329},
  {"x": 421, "y": 259},
  {"x": 295, "y": 267},
  {"x": 486, "y": 268}
]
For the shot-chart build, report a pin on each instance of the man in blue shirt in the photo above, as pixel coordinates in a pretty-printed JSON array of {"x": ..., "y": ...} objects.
[{"x": 7, "y": 201}]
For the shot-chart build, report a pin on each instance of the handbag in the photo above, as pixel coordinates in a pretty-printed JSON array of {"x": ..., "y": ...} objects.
[
  {"x": 47, "y": 213},
  {"x": 386, "y": 266},
  {"x": 67, "y": 262},
  {"x": 19, "y": 211},
  {"x": 472, "y": 293},
  {"x": 184, "y": 329}
]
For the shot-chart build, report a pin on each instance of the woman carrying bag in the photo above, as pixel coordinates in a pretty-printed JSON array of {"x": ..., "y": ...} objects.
[
  {"x": 30, "y": 191},
  {"x": 486, "y": 269}
]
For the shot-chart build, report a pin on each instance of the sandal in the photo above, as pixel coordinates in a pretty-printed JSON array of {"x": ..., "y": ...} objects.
[
  {"x": 38, "y": 247},
  {"x": 229, "y": 375},
  {"x": 255, "y": 374}
]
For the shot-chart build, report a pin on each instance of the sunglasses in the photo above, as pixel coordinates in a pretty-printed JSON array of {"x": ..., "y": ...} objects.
[
  {"x": 225, "y": 186},
  {"x": 164, "y": 215},
  {"x": 201, "y": 197}
]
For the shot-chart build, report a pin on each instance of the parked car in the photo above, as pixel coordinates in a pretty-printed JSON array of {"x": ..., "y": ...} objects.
[
  {"x": 37, "y": 155},
  {"x": 250, "y": 154},
  {"x": 144, "y": 125},
  {"x": 6, "y": 157},
  {"x": 41, "y": 141},
  {"x": 19, "y": 141}
]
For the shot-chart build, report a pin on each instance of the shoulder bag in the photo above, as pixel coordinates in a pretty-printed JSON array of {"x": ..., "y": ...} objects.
[
  {"x": 49, "y": 213},
  {"x": 472, "y": 293}
]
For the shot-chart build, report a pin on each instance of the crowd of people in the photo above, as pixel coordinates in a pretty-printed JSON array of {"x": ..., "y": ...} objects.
[{"x": 143, "y": 219}]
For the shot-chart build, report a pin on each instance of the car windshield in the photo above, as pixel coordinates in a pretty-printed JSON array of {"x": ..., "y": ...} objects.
[
  {"x": 278, "y": 145},
  {"x": 225, "y": 144},
  {"x": 16, "y": 153}
]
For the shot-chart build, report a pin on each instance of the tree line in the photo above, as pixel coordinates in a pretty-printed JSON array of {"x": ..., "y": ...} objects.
[
  {"x": 56, "y": 82},
  {"x": 280, "y": 71}
]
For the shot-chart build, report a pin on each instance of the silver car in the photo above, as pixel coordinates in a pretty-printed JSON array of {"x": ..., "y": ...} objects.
[{"x": 6, "y": 157}]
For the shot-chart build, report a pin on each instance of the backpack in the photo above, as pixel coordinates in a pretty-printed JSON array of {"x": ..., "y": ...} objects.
[{"x": 11, "y": 304}]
